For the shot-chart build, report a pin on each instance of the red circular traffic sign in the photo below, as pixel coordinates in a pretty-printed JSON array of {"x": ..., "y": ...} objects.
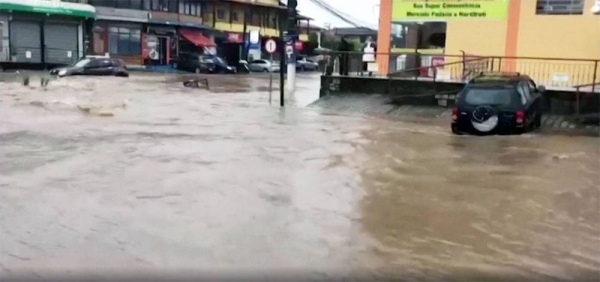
[{"x": 270, "y": 46}]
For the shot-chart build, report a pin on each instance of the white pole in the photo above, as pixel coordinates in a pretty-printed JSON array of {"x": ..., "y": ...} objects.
[
  {"x": 271, "y": 79},
  {"x": 291, "y": 72},
  {"x": 291, "y": 77},
  {"x": 319, "y": 38}
]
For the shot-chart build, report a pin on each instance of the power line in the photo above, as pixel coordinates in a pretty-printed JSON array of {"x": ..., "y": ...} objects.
[
  {"x": 336, "y": 13},
  {"x": 348, "y": 17}
]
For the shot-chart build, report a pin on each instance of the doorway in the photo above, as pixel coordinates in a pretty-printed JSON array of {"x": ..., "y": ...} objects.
[
  {"x": 163, "y": 50},
  {"x": 231, "y": 53}
]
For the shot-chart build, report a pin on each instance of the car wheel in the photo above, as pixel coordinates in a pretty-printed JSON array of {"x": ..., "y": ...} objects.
[
  {"x": 198, "y": 70},
  {"x": 302, "y": 68},
  {"x": 455, "y": 130},
  {"x": 266, "y": 70}
]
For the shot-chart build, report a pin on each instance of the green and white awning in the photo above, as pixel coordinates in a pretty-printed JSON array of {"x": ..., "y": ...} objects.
[{"x": 53, "y": 7}]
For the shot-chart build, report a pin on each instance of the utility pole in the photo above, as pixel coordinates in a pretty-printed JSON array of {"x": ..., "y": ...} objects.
[
  {"x": 290, "y": 47},
  {"x": 282, "y": 24}
]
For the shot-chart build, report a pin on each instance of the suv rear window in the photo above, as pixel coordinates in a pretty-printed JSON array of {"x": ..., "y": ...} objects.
[{"x": 488, "y": 96}]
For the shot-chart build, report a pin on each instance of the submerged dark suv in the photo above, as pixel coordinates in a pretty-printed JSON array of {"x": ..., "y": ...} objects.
[{"x": 498, "y": 103}]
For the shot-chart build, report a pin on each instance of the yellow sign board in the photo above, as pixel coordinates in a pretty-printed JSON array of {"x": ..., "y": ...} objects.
[{"x": 442, "y": 10}]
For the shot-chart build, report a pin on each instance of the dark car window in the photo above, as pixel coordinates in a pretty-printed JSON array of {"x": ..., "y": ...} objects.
[
  {"x": 532, "y": 86},
  {"x": 102, "y": 63},
  {"x": 258, "y": 62},
  {"x": 93, "y": 64},
  {"x": 524, "y": 92},
  {"x": 488, "y": 96},
  {"x": 117, "y": 63}
]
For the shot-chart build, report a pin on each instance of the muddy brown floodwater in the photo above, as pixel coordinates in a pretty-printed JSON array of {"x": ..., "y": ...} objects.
[{"x": 141, "y": 175}]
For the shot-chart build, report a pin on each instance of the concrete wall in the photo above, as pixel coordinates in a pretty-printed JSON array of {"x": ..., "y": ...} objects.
[
  {"x": 566, "y": 36},
  {"x": 476, "y": 37},
  {"x": 419, "y": 92}
]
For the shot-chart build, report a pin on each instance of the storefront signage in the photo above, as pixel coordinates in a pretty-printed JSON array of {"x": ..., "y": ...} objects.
[
  {"x": 253, "y": 40},
  {"x": 235, "y": 38},
  {"x": 441, "y": 10},
  {"x": 128, "y": 15},
  {"x": 49, "y": 7}
]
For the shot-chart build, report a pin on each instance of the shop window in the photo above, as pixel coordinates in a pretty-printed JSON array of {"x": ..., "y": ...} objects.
[
  {"x": 161, "y": 5},
  {"x": 172, "y": 6},
  {"x": 122, "y": 4},
  {"x": 146, "y": 4},
  {"x": 103, "y": 3},
  {"x": 560, "y": 7},
  {"x": 182, "y": 7},
  {"x": 234, "y": 16},
  {"x": 192, "y": 10},
  {"x": 124, "y": 41},
  {"x": 136, "y": 4},
  {"x": 220, "y": 14}
]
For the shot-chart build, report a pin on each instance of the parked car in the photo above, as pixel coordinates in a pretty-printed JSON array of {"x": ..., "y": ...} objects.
[
  {"x": 263, "y": 66},
  {"x": 202, "y": 63},
  {"x": 498, "y": 103},
  {"x": 93, "y": 66},
  {"x": 303, "y": 64}
]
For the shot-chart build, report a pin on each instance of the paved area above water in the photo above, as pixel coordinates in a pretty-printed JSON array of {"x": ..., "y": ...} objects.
[{"x": 141, "y": 175}]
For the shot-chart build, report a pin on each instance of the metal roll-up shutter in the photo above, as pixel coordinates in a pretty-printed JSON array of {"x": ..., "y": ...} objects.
[
  {"x": 60, "y": 40},
  {"x": 25, "y": 41}
]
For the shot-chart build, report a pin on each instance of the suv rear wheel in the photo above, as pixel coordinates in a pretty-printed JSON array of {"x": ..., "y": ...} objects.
[
  {"x": 538, "y": 121},
  {"x": 455, "y": 129}
]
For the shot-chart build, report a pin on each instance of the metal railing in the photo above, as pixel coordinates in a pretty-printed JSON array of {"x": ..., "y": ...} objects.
[
  {"x": 578, "y": 92},
  {"x": 560, "y": 73}
]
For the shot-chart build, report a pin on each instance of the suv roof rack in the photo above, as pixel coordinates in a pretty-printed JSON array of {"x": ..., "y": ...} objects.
[{"x": 495, "y": 76}]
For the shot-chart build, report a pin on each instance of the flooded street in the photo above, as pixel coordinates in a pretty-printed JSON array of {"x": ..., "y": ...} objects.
[{"x": 141, "y": 175}]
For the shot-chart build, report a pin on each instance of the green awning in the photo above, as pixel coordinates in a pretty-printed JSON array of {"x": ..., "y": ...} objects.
[{"x": 49, "y": 7}]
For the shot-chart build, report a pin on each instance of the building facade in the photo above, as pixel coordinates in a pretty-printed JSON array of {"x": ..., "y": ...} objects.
[
  {"x": 164, "y": 28},
  {"x": 141, "y": 32},
  {"x": 514, "y": 28},
  {"x": 43, "y": 33}
]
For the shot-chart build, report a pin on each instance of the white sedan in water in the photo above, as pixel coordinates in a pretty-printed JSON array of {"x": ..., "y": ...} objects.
[{"x": 263, "y": 66}]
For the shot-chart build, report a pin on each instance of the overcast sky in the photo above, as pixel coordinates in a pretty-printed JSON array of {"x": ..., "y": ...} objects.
[{"x": 364, "y": 12}]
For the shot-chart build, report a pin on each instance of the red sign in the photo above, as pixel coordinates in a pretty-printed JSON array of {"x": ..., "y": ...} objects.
[
  {"x": 299, "y": 45},
  {"x": 438, "y": 61},
  {"x": 235, "y": 38}
]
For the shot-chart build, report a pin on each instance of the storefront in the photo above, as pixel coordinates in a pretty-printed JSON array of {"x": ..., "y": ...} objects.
[
  {"x": 118, "y": 33},
  {"x": 43, "y": 32},
  {"x": 230, "y": 46},
  {"x": 194, "y": 41},
  {"x": 161, "y": 42}
]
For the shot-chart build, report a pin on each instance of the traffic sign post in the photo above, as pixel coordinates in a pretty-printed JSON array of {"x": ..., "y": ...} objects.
[{"x": 270, "y": 47}]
